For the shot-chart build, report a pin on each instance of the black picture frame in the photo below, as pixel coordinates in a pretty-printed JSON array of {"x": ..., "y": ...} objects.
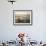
[{"x": 22, "y": 17}]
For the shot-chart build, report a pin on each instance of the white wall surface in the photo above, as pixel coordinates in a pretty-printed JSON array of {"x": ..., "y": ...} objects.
[{"x": 38, "y": 29}]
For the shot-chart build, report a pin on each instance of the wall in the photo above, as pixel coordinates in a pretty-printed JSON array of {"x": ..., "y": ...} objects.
[{"x": 38, "y": 29}]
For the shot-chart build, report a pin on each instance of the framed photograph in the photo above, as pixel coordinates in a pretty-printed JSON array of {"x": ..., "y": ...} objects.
[{"x": 22, "y": 17}]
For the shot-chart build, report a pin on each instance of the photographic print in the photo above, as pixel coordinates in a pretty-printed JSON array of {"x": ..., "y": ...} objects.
[{"x": 22, "y": 17}]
